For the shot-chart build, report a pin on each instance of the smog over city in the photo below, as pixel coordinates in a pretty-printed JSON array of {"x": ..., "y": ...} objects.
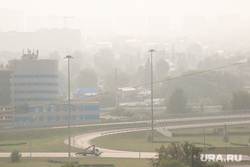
[{"x": 115, "y": 83}]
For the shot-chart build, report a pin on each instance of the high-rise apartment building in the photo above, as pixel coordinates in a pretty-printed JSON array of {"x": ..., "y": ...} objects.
[{"x": 35, "y": 81}]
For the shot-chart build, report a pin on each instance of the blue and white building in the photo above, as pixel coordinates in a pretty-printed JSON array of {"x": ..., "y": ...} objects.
[
  {"x": 34, "y": 81},
  {"x": 57, "y": 115},
  {"x": 35, "y": 96}
]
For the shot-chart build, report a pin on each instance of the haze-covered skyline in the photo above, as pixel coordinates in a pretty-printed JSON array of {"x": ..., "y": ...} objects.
[
  {"x": 109, "y": 8},
  {"x": 124, "y": 17}
]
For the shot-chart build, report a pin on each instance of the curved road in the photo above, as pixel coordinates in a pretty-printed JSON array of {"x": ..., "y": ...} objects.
[{"x": 83, "y": 141}]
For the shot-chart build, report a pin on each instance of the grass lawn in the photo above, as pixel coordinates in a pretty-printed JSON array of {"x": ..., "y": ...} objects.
[
  {"x": 58, "y": 162},
  {"x": 134, "y": 140},
  {"x": 43, "y": 140}
]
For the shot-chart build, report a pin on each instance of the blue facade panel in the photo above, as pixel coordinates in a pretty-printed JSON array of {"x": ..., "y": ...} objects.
[
  {"x": 43, "y": 91},
  {"x": 32, "y": 109},
  {"x": 31, "y": 119},
  {"x": 43, "y": 76},
  {"x": 92, "y": 117},
  {"x": 49, "y": 118},
  {"x": 41, "y": 109},
  {"x": 73, "y": 117},
  {"x": 65, "y": 108},
  {"x": 43, "y": 99},
  {"x": 65, "y": 118},
  {"x": 41, "y": 118},
  {"x": 49, "y": 109},
  {"x": 24, "y": 119},
  {"x": 43, "y": 83},
  {"x": 18, "y": 107},
  {"x": 81, "y": 117},
  {"x": 92, "y": 108},
  {"x": 73, "y": 108},
  {"x": 57, "y": 108},
  {"x": 57, "y": 118},
  {"x": 81, "y": 108},
  {"x": 16, "y": 119}
]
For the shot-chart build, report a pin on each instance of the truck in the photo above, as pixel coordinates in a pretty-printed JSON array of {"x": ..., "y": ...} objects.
[{"x": 95, "y": 151}]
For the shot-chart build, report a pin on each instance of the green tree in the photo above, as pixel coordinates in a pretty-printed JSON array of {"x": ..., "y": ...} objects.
[
  {"x": 86, "y": 79},
  {"x": 106, "y": 100},
  {"x": 187, "y": 154},
  {"x": 15, "y": 156},
  {"x": 143, "y": 73},
  {"x": 122, "y": 79},
  {"x": 69, "y": 165},
  {"x": 161, "y": 69},
  {"x": 240, "y": 100},
  {"x": 177, "y": 102},
  {"x": 215, "y": 165},
  {"x": 171, "y": 163},
  {"x": 104, "y": 61}
]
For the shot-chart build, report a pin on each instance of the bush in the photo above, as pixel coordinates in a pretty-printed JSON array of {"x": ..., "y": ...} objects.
[
  {"x": 149, "y": 138},
  {"x": 69, "y": 165},
  {"x": 15, "y": 156}
]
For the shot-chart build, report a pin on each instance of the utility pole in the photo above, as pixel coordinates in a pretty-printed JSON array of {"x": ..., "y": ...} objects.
[
  {"x": 69, "y": 117},
  {"x": 204, "y": 140},
  {"x": 173, "y": 53},
  {"x": 152, "y": 109},
  {"x": 116, "y": 91}
]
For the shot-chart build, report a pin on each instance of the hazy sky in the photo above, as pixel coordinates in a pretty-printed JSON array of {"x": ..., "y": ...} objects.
[{"x": 106, "y": 8}]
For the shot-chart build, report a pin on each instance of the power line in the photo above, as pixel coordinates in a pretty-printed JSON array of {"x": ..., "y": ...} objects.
[{"x": 155, "y": 82}]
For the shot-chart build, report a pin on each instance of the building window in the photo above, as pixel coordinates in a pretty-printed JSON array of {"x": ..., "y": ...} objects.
[
  {"x": 58, "y": 118},
  {"x": 41, "y": 118}
]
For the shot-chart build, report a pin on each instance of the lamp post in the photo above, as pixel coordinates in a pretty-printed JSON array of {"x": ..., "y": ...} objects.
[
  {"x": 152, "y": 113},
  {"x": 139, "y": 142},
  {"x": 69, "y": 117},
  {"x": 31, "y": 119}
]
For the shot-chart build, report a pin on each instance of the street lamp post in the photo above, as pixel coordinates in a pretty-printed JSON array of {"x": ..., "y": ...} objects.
[
  {"x": 69, "y": 117},
  {"x": 139, "y": 142},
  {"x": 152, "y": 113}
]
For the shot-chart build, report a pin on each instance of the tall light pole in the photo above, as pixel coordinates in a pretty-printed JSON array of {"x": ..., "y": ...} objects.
[
  {"x": 69, "y": 117},
  {"x": 152, "y": 109}
]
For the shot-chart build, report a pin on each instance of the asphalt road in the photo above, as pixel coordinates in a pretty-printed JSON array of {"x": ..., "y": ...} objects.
[{"x": 83, "y": 141}]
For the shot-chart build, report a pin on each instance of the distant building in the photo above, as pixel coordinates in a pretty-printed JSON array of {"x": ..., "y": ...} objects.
[
  {"x": 57, "y": 115},
  {"x": 35, "y": 81},
  {"x": 46, "y": 40},
  {"x": 5, "y": 86},
  {"x": 5, "y": 96},
  {"x": 35, "y": 95},
  {"x": 85, "y": 93}
]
